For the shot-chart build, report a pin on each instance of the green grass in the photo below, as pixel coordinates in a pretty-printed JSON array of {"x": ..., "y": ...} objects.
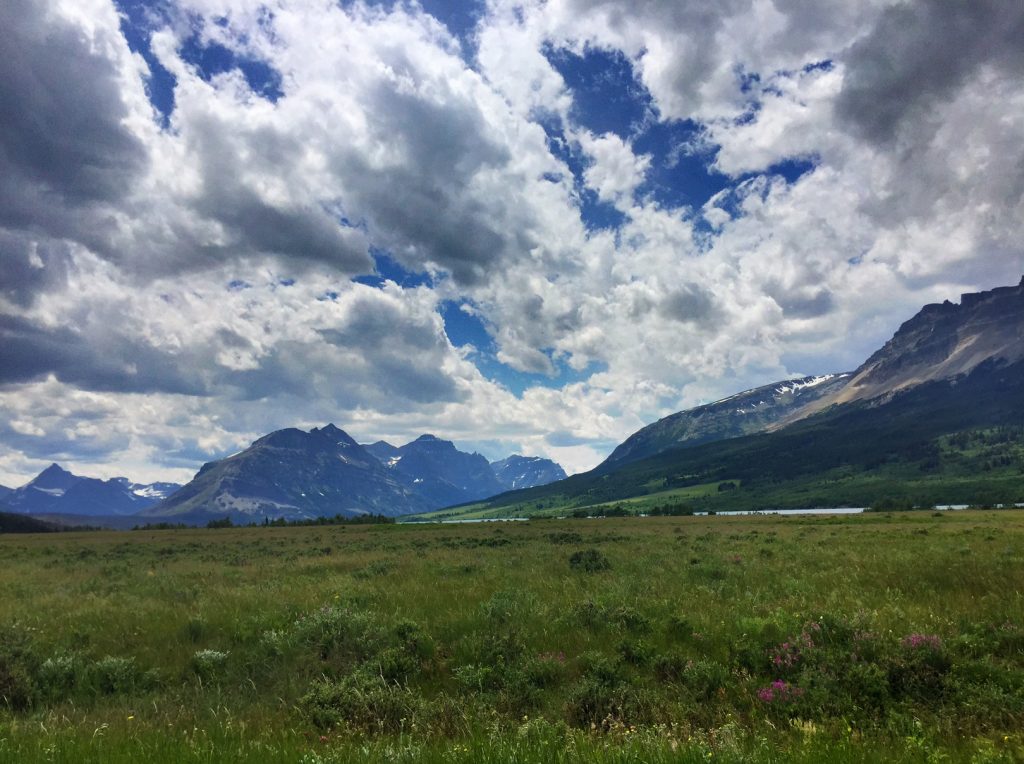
[
  {"x": 898, "y": 637},
  {"x": 560, "y": 505}
]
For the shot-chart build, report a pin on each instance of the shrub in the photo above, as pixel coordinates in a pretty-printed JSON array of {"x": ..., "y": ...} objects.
[
  {"x": 633, "y": 652},
  {"x": 596, "y": 701},
  {"x": 209, "y": 664},
  {"x": 395, "y": 665},
  {"x": 779, "y": 692},
  {"x": 565, "y": 537},
  {"x": 476, "y": 677},
  {"x": 59, "y": 675},
  {"x": 679, "y": 627},
  {"x": 506, "y": 606},
  {"x": 631, "y": 619},
  {"x": 920, "y": 668},
  {"x": 18, "y": 664},
  {"x": 275, "y": 642},
  {"x": 195, "y": 629},
  {"x": 361, "y": 702},
  {"x": 704, "y": 678},
  {"x": 589, "y": 614},
  {"x": 669, "y": 667},
  {"x": 339, "y": 631},
  {"x": 374, "y": 570},
  {"x": 114, "y": 674},
  {"x": 589, "y": 561}
]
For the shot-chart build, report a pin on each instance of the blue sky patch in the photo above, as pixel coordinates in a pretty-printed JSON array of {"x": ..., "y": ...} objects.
[
  {"x": 138, "y": 20},
  {"x": 679, "y": 175},
  {"x": 458, "y": 16},
  {"x": 596, "y": 214},
  {"x": 211, "y": 59},
  {"x": 387, "y": 268},
  {"x": 519, "y": 381},
  {"x": 607, "y": 95},
  {"x": 464, "y": 328}
]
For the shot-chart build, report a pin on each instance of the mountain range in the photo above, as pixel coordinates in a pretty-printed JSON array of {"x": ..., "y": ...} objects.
[
  {"x": 55, "y": 491},
  {"x": 324, "y": 472},
  {"x": 288, "y": 474},
  {"x": 934, "y": 416}
]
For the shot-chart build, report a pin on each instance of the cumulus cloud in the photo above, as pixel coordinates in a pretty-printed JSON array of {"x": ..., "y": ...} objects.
[
  {"x": 918, "y": 55},
  {"x": 63, "y": 137},
  {"x": 170, "y": 290}
]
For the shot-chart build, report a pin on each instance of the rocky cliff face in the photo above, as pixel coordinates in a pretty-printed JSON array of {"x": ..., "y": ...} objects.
[
  {"x": 294, "y": 474},
  {"x": 944, "y": 341},
  {"x": 446, "y": 475},
  {"x": 442, "y": 474}
]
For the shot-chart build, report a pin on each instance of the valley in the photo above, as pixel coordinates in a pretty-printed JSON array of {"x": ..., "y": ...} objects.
[{"x": 881, "y": 636}]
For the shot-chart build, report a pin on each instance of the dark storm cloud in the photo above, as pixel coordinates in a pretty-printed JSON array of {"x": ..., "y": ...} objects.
[
  {"x": 300, "y": 232},
  {"x": 28, "y": 267},
  {"x": 422, "y": 205},
  {"x": 401, "y": 357},
  {"x": 690, "y": 302},
  {"x": 61, "y": 137},
  {"x": 921, "y": 52},
  {"x": 810, "y": 303},
  {"x": 109, "y": 362}
]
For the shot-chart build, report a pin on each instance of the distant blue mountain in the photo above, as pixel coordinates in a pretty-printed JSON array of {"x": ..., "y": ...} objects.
[
  {"x": 526, "y": 471},
  {"x": 442, "y": 474},
  {"x": 293, "y": 474},
  {"x": 57, "y": 491}
]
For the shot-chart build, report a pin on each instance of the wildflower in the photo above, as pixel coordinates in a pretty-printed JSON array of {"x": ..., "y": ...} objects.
[
  {"x": 918, "y": 641},
  {"x": 779, "y": 692}
]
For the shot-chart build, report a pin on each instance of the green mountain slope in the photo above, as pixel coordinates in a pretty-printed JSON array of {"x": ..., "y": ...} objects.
[
  {"x": 952, "y": 441},
  {"x": 11, "y": 522},
  {"x": 741, "y": 414},
  {"x": 934, "y": 416}
]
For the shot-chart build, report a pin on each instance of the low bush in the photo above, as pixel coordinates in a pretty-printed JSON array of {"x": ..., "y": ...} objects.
[
  {"x": 209, "y": 664},
  {"x": 361, "y": 702},
  {"x": 589, "y": 561}
]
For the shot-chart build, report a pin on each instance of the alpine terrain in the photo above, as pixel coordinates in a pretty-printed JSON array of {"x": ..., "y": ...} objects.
[
  {"x": 518, "y": 471},
  {"x": 294, "y": 474},
  {"x": 934, "y": 416},
  {"x": 55, "y": 491}
]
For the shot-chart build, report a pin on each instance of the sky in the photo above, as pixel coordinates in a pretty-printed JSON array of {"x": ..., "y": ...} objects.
[{"x": 524, "y": 226}]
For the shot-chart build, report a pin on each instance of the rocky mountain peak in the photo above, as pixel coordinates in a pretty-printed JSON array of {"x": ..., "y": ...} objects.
[
  {"x": 517, "y": 471},
  {"x": 54, "y": 476},
  {"x": 944, "y": 341},
  {"x": 335, "y": 435}
]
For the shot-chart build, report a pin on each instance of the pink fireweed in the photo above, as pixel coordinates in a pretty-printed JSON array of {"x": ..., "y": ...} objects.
[
  {"x": 779, "y": 692},
  {"x": 788, "y": 653},
  {"x": 922, "y": 641}
]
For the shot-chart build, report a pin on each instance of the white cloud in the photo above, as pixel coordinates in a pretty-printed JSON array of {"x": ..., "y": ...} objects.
[
  {"x": 616, "y": 171},
  {"x": 125, "y": 350}
]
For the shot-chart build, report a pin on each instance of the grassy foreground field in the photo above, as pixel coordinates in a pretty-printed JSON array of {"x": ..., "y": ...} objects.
[{"x": 757, "y": 638}]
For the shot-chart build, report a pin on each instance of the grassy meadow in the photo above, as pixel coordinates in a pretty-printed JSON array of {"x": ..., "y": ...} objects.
[{"x": 758, "y": 638}]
